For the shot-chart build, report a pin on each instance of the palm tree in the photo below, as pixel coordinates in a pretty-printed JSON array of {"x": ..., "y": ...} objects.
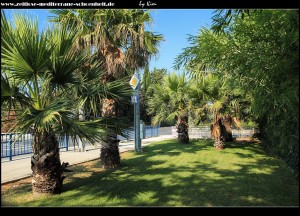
[
  {"x": 170, "y": 102},
  {"x": 224, "y": 98},
  {"x": 118, "y": 39},
  {"x": 203, "y": 90},
  {"x": 229, "y": 105},
  {"x": 204, "y": 93},
  {"x": 215, "y": 96},
  {"x": 117, "y": 36},
  {"x": 40, "y": 82}
]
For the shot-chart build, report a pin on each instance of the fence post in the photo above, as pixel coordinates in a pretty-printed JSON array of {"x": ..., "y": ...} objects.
[{"x": 10, "y": 147}]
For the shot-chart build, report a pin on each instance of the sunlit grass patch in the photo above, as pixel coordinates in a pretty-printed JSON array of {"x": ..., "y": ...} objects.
[{"x": 170, "y": 174}]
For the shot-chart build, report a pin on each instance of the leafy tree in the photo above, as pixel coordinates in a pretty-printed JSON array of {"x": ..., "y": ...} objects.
[
  {"x": 267, "y": 42},
  {"x": 259, "y": 53},
  {"x": 149, "y": 80},
  {"x": 157, "y": 75}
]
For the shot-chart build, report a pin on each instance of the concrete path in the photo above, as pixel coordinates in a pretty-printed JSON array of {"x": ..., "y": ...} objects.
[{"x": 20, "y": 167}]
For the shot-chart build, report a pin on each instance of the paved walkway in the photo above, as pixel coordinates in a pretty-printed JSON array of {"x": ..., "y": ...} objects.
[{"x": 20, "y": 167}]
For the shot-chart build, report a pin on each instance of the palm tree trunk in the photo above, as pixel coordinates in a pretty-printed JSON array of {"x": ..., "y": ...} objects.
[
  {"x": 182, "y": 129},
  {"x": 217, "y": 132},
  {"x": 109, "y": 155},
  {"x": 227, "y": 131},
  {"x": 47, "y": 171}
]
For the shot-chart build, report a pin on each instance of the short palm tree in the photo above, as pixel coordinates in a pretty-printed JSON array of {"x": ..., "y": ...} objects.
[
  {"x": 203, "y": 90},
  {"x": 214, "y": 96},
  {"x": 170, "y": 102},
  {"x": 45, "y": 82},
  {"x": 224, "y": 102}
]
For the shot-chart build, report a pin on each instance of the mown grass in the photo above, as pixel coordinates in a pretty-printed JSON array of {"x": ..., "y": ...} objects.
[{"x": 170, "y": 174}]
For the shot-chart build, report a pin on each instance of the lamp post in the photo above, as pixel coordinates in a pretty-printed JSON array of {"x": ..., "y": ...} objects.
[
  {"x": 137, "y": 122},
  {"x": 134, "y": 83}
]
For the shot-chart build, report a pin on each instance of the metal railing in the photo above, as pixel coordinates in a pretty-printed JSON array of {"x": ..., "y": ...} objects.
[
  {"x": 151, "y": 131},
  {"x": 14, "y": 144},
  {"x": 146, "y": 132}
]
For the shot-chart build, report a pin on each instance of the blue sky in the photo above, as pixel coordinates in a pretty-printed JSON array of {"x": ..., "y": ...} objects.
[{"x": 174, "y": 24}]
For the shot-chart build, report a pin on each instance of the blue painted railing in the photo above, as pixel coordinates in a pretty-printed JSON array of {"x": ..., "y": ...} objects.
[
  {"x": 151, "y": 131},
  {"x": 13, "y": 144},
  {"x": 147, "y": 131},
  {"x": 128, "y": 134}
]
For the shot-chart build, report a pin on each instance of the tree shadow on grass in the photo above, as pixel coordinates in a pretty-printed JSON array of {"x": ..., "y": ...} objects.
[
  {"x": 251, "y": 146},
  {"x": 20, "y": 188},
  {"x": 170, "y": 174}
]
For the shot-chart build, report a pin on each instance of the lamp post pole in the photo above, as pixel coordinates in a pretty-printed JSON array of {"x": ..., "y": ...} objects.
[
  {"x": 137, "y": 140},
  {"x": 134, "y": 83}
]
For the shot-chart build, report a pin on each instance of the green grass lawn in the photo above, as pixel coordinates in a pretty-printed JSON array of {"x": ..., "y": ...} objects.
[{"x": 170, "y": 174}]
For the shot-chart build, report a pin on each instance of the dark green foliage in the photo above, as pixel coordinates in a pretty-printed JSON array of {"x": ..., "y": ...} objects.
[
  {"x": 269, "y": 45},
  {"x": 259, "y": 53}
]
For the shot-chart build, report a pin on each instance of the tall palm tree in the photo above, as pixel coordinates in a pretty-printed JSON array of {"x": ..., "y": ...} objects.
[
  {"x": 170, "y": 102},
  {"x": 118, "y": 38},
  {"x": 40, "y": 83}
]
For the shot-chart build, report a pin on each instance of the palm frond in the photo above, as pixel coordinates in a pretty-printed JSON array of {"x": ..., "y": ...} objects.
[
  {"x": 25, "y": 50},
  {"x": 11, "y": 94}
]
